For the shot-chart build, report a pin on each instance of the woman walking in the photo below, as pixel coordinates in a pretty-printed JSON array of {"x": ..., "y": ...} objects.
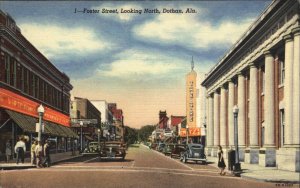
[
  {"x": 8, "y": 150},
  {"x": 221, "y": 163},
  {"x": 32, "y": 151}
]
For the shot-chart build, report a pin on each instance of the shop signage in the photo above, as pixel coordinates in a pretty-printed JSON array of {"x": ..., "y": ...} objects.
[
  {"x": 15, "y": 102},
  {"x": 193, "y": 131},
  {"x": 37, "y": 127}
]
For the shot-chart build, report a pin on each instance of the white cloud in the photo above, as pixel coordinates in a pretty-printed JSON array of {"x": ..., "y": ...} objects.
[
  {"x": 134, "y": 63},
  {"x": 121, "y": 17},
  {"x": 190, "y": 30},
  {"x": 54, "y": 40}
]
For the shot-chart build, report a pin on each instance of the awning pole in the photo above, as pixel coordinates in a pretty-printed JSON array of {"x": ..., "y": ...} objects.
[{"x": 4, "y": 123}]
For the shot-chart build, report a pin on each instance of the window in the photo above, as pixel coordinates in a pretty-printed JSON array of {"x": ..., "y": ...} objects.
[
  {"x": 282, "y": 72},
  {"x": 282, "y": 125},
  {"x": 7, "y": 68}
]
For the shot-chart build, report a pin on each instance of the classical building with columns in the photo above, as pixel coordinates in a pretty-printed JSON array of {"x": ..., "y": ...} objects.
[{"x": 261, "y": 75}]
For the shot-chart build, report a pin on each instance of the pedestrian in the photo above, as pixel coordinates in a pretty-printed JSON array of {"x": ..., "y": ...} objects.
[
  {"x": 8, "y": 150},
  {"x": 20, "y": 149},
  {"x": 47, "y": 160},
  {"x": 221, "y": 163},
  {"x": 39, "y": 154},
  {"x": 32, "y": 152}
]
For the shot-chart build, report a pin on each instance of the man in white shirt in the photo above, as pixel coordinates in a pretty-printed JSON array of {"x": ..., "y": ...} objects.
[{"x": 20, "y": 149}]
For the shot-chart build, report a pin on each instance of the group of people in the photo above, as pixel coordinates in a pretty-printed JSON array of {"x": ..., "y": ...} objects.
[{"x": 40, "y": 154}]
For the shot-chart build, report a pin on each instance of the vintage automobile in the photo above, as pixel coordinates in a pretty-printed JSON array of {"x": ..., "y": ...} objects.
[
  {"x": 194, "y": 152},
  {"x": 168, "y": 149},
  {"x": 91, "y": 149},
  {"x": 177, "y": 150},
  {"x": 112, "y": 150},
  {"x": 160, "y": 146}
]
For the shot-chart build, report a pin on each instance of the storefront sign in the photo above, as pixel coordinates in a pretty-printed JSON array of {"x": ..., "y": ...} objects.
[
  {"x": 12, "y": 101},
  {"x": 193, "y": 131}
]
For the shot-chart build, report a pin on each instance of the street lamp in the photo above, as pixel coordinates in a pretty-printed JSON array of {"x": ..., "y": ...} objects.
[
  {"x": 81, "y": 124},
  {"x": 237, "y": 165},
  {"x": 41, "y": 111}
]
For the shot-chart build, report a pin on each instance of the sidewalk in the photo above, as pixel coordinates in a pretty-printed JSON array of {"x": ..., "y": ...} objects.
[
  {"x": 264, "y": 174},
  {"x": 55, "y": 158}
]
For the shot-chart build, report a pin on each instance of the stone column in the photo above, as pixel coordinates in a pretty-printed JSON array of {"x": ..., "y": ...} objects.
[
  {"x": 267, "y": 156},
  {"x": 210, "y": 125},
  {"x": 241, "y": 115},
  {"x": 230, "y": 114},
  {"x": 288, "y": 90},
  {"x": 216, "y": 122},
  {"x": 251, "y": 155},
  {"x": 296, "y": 88},
  {"x": 223, "y": 117}
]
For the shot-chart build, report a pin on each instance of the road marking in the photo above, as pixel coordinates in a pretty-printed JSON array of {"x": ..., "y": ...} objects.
[{"x": 90, "y": 160}]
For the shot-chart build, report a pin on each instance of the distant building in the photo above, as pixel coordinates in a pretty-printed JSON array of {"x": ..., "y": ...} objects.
[
  {"x": 84, "y": 111},
  {"x": 163, "y": 120},
  {"x": 195, "y": 107}
]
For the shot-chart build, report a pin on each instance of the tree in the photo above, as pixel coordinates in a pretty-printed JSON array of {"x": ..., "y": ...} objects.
[
  {"x": 146, "y": 131},
  {"x": 131, "y": 135}
]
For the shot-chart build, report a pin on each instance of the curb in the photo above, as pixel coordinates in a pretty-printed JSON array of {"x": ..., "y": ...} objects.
[{"x": 270, "y": 180}]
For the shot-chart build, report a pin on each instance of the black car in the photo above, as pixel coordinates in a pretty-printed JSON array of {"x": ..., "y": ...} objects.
[
  {"x": 112, "y": 150},
  {"x": 177, "y": 150},
  {"x": 194, "y": 152},
  {"x": 168, "y": 149}
]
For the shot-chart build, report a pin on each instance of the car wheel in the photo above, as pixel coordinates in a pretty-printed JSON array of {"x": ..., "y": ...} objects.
[
  {"x": 171, "y": 155},
  {"x": 184, "y": 159}
]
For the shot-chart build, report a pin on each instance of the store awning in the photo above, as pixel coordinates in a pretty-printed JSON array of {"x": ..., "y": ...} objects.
[{"x": 27, "y": 123}]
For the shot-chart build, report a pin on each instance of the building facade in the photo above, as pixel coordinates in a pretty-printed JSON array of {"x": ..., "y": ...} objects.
[
  {"x": 260, "y": 74},
  {"x": 28, "y": 79},
  {"x": 82, "y": 110}
]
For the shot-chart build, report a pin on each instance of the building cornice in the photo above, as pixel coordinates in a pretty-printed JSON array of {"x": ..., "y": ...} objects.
[{"x": 268, "y": 23}]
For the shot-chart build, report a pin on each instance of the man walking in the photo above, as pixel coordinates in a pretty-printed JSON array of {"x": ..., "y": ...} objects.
[
  {"x": 20, "y": 149},
  {"x": 47, "y": 160}
]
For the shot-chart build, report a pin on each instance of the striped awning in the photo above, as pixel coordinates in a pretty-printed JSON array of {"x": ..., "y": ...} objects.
[{"x": 27, "y": 124}]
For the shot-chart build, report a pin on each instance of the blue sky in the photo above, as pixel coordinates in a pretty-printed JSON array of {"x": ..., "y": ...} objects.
[{"x": 136, "y": 60}]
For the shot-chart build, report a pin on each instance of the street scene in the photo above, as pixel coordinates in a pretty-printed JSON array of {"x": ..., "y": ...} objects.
[
  {"x": 141, "y": 168},
  {"x": 150, "y": 93}
]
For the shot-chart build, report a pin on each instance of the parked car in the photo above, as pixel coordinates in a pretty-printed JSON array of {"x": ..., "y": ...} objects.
[
  {"x": 177, "y": 150},
  {"x": 193, "y": 152},
  {"x": 153, "y": 146},
  {"x": 91, "y": 149},
  {"x": 160, "y": 147},
  {"x": 112, "y": 150},
  {"x": 168, "y": 149}
]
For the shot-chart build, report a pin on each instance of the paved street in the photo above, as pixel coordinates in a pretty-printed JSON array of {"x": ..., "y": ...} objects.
[{"x": 142, "y": 168}]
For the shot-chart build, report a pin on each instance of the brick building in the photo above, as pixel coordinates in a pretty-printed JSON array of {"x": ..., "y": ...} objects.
[{"x": 28, "y": 79}]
